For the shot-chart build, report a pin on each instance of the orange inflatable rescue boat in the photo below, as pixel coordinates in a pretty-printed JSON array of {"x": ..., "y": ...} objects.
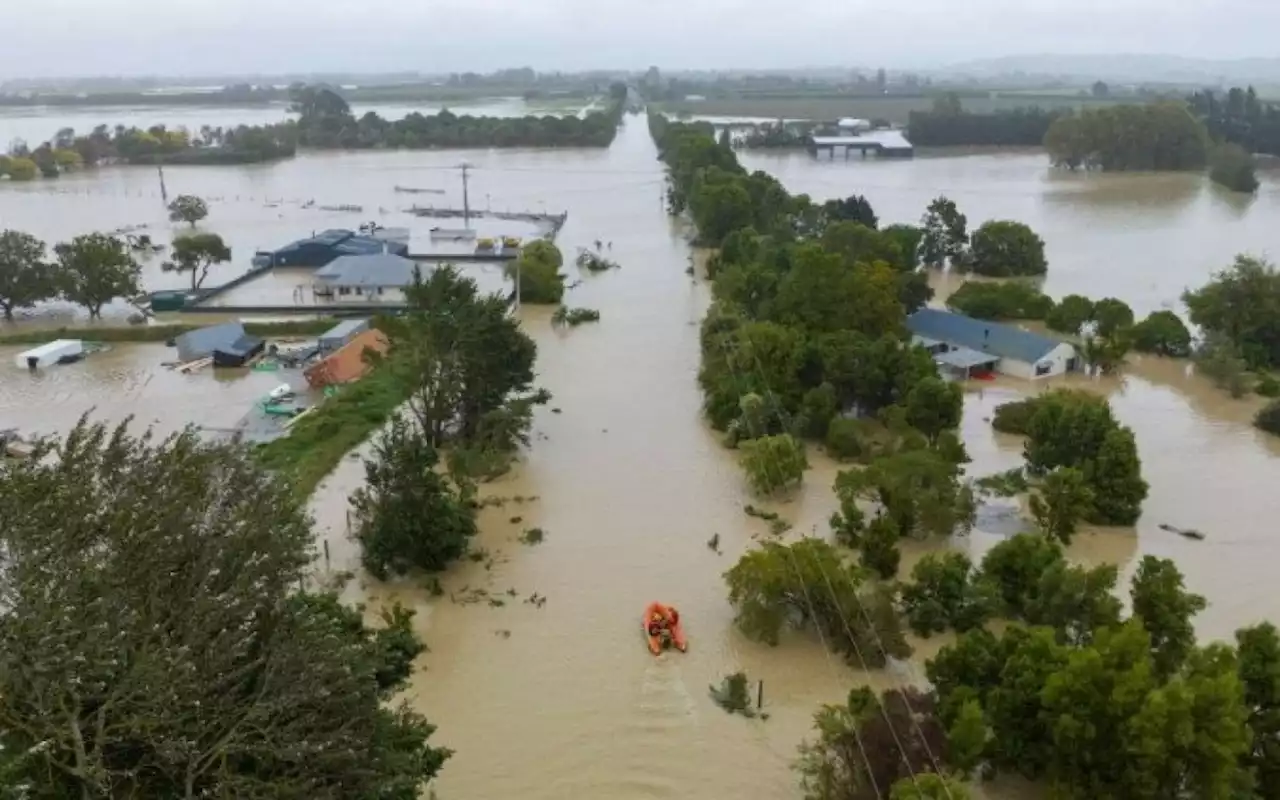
[{"x": 662, "y": 628}]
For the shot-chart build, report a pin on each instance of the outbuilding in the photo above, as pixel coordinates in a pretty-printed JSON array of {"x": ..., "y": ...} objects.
[
  {"x": 377, "y": 279},
  {"x": 347, "y": 363},
  {"x": 965, "y": 345},
  {"x": 342, "y": 333},
  {"x": 238, "y": 353},
  {"x": 201, "y": 342}
]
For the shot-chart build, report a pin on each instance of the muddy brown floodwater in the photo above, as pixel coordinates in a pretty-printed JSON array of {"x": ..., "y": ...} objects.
[{"x": 562, "y": 700}]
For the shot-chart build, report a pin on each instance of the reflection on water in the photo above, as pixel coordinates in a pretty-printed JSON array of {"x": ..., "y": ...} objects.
[{"x": 563, "y": 700}]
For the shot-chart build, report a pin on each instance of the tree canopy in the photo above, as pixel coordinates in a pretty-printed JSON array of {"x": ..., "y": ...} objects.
[
  {"x": 1155, "y": 136},
  {"x": 94, "y": 269},
  {"x": 26, "y": 278},
  {"x": 155, "y": 643},
  {"x": 1006, "y": 249},
  {"x": 189, "y": 209},
  {"x": 196, "y": 253},
  {"x": 1238, "y": 304}
]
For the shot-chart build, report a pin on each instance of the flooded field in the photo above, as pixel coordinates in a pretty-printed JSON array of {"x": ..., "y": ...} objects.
[
  {"x": 38, "y": 124},
  {"x": 561, "y": 700}
]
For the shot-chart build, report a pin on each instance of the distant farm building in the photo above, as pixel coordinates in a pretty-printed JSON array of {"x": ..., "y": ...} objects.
[
  {"x": 849, "y": 126},
  {"x": 965, "y": 346},
  {"x": 884, "y": 143},
  {"x": 324, "y": 247}
]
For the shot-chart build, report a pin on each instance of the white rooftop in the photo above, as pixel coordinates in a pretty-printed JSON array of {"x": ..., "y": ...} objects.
[{"x": 886, "y": 139}]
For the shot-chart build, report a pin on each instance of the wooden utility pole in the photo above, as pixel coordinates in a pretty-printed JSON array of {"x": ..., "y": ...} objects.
[
  {"x": 164, "y": 193},
  {"x": 466, "y": 199}
]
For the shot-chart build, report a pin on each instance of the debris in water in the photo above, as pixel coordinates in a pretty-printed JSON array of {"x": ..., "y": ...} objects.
[
  {"x": 502, "y": 633},
  {"x": 732, "y": 695},
  {"x": 516, "y": 520},
  {"x": 714, "y": 543},
  {"x": 555, "y": 411},
  {"x": 496, "y": 602},
  {"x": 777, "y": 525},
  {"x": 536, "y": 600},
  {"x": 533, "y": 536},
  {"x": 1187, "y": 533}
]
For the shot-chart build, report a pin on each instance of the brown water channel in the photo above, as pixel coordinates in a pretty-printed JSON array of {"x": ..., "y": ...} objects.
[{"x": 562, "y": 700}]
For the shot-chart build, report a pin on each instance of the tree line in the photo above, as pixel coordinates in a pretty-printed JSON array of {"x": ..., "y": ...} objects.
[
  {"x": 175, "y": 646},
  {"x": 805, "y": 340},
  {"x": 325, "y": 121}
]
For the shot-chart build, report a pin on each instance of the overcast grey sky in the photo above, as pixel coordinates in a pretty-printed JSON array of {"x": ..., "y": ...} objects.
[{"x": 200, "y": 37}]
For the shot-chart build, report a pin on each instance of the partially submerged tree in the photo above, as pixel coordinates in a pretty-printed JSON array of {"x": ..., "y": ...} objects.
[
  {"x": 945, "y": 233},
  {"x": 537, "y": 269},
  {"x": 196, "y": 253},
  {"x": 1006, "y": 249},
  {"x": 188, "y": 208},
  {"x": 773, "y": 463},
  {"x": 807, "y": 584},
  {"x": 1061, "y": 500},
  {"x": 25, "y": 277},
  {"x": 153, "y": 643},
  {"x": 94, "y": 269},
  {"x": 946, "y": 592},
  {"x": 408, "y": 516},
  {"x": 870, "y": 744}
]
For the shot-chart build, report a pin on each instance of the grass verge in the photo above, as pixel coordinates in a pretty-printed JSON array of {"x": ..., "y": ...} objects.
[
  {"x": 162, "y": 333},
  {"x": 318, "y": 442}
]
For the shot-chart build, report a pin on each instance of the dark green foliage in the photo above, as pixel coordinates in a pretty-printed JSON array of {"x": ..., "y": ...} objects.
[
  {"x": 933, "y": 406},
  {"x": 26, "y": 278},
  {"x": 1077, "y": 429},
  {"x": 1156, "y": 136},
  {"x": 94, "y": 269},
  {"x": 407, "y": 515},
  {"x": 1268, "y": 419},
  {"x": 1162, "y": 333},
  {"x": 879, "y": 547},
  {"x": 1070, "y": 314},
  {"x": 1018, "y": 127},
  {"x": 1165, "y": 608},
  {"x": 1010, "y": 300},
  {"x": 946, "y": 592},
  {"x": 1061, "y": 500},
  {"x": 330, "y": 125},
  {"x": 1259, "y": 652},
  {"x": 1111, "y": 316},
  {"x": 866, "y": 745},
  {"x": 807, "y": 584},
  {"x": 538, "y": 270},
  {"x": 1232, "y": 166},
  {"x": 1006, "y": 249},
  {"x": 1237, "y": 306},
  {"x": 1015, "y": 417},
  {"x": 165, "y": 579},
  {"x": 917, "y": 488}
]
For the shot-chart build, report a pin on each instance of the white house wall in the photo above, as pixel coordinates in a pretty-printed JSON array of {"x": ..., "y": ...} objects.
[
  {"x": 1058, "y": 358},
  {"x": 1015, "y": 369}
]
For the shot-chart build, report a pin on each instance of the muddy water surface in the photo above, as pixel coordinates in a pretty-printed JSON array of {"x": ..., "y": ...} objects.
[{"x": 561, "y": 699}]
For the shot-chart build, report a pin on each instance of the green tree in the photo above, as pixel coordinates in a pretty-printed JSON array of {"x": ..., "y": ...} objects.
[
  {"x": 94, "y": 269},
  {"x": 822, "y": 294},
  {"x": 929, "y": 786},
  {"x": 537, "y": 269},
  {"x": 22, "y": 169},
  {"x": 1162, "y": 333},
  {"x": 1006, "y": 249},
  {"x": 774, "y": 463},
  {"x": 1070, "y": 314},
  {"x": 1015, "y": 566},
  {"x": 945, "y": 233},
  {"x": 808, "y": 585},
  {"x": 933, "y": 406},
  {"x": 465, "y": 357},
  {"x": 1232, "y": 166},
  {"x": 879, "y": 547},
  {"x": 846, "y": 439},
  {"x": 1022, "y": 736},
  {"x": 164, "y": 579},
  {"x": 869, "y": 744},
  {"x": 1077, "y": 429},
  {"x": 25, "y": 277},
  {"x": 854, "y": 208},
  {"x": 1259, "y": 670},
  {"x": 918, "y": 489},
  {"x": 196, "y": 253},
  {"x": 908, "y": 238},
  {"x": 946, "y": 592},
  {"x": 1165, "y": 609},
  {"x": 1074, "y": 601},
  {"x": 1268, "y": 418},
  {"x": 1154, "y": 136},
  {"x": 968, "y": 737},
  {"x": 719, "y": 205},
  {"x": 1111, "y": 316},
  {"x": 188, "y": 208},
  {"x": 1235, "y": 306},
  {"x": 408, "y": 516},
  {"x": 1005, "y": 300},
  {"x": 1060, "y": 502}
]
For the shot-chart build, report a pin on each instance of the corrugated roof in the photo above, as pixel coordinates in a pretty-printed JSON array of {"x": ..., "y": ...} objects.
[
  {"x": 244, "y": 346},
  {"x": 1004, "y": 341},
  {"x": 347, "y": 363},
  {"x": 964, "y": 358},
  {"x": 373, "y": 269},
  {"x": 203, "y": 341}
]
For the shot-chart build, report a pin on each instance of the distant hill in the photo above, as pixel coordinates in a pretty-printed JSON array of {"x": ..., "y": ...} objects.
[{"x": 1120, "y": 67}]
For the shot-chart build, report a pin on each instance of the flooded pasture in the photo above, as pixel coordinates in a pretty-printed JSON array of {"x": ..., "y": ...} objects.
[{"x": 560, "y": 699}]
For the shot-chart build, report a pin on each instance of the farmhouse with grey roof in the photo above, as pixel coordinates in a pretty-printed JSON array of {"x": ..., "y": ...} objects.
[
  {"x": 373, "y": 278},
  {"x": 965, "y": 345}
]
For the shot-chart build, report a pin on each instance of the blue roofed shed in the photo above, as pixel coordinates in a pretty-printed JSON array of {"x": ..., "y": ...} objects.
[
  {"x": 325, "y": 246},
  {"x": 964, "y": 343}
]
